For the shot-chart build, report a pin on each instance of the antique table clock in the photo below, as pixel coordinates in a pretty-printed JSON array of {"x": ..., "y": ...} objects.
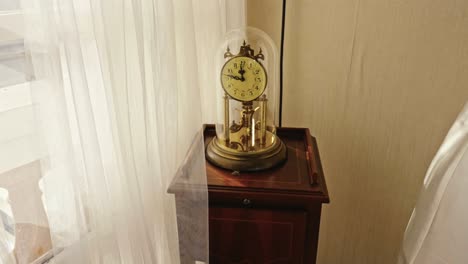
[
  {"x": 264, "y": 205},
  {"x": 247, "y": 94}
]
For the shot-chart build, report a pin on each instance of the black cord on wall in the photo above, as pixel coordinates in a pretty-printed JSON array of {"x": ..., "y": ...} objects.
[{"x": 283, "y": 22}]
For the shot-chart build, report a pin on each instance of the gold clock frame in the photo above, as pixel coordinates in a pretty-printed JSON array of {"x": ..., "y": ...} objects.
[{"x": 245, "y": 52}]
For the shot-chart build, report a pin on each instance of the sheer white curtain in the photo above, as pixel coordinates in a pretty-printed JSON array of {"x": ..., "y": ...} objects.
[
  {"x": 438, "y": 229},
  {"x": 115, "y": 103}
]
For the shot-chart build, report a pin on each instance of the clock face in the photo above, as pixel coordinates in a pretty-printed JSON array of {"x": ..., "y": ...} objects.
[{"x": 243, "y": 78}]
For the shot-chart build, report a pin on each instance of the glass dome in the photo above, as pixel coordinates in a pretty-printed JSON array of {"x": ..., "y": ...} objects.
[{"x": 247, "y": 92}]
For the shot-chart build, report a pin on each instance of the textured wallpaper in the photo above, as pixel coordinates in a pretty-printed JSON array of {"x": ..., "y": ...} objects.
[{"x": 378, "y": 82}]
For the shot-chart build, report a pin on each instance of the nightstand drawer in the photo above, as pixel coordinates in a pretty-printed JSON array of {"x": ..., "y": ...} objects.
[
  {"x": 252, "y": 199},
  {"x": 244, "y": 235}
]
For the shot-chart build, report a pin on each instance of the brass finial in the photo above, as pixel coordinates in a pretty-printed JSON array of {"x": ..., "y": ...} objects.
[
  {"x": 260, "y": 55},
  {"x": 228, "y": 53}
]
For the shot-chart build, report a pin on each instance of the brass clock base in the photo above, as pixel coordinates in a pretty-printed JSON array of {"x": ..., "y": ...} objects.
[{"x": 221, "y": 156}]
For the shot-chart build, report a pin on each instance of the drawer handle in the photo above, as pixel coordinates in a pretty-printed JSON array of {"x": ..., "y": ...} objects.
[{"x": 246, "y": 201}]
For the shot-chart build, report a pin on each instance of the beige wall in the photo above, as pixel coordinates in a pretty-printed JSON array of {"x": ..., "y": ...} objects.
[
  {"x": 266, "y": 15},
  {"x": 379, "y": 83}
]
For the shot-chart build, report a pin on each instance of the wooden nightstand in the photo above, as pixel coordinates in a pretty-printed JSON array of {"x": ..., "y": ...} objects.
[{"x": 271, "y": 216}]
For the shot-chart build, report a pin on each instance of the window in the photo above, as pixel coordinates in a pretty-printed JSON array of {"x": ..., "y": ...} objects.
[
  {"x": 15, "y": 98},
  {"x": 14, "y": 64},
  {"x": 18, "y": 166}
]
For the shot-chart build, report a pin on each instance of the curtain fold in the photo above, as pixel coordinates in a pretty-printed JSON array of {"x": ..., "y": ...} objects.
[
  {"x": 437, "y": 231},
  {"x": 121, "y": 89}
]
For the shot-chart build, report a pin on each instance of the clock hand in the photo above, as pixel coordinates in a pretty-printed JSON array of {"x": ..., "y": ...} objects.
[
  {"x": 234, "y": 77},
  {"x": 241, "y": 72}
]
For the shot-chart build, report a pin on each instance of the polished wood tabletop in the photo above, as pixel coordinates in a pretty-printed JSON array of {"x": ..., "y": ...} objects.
[{"x": 300, "y": 174}]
